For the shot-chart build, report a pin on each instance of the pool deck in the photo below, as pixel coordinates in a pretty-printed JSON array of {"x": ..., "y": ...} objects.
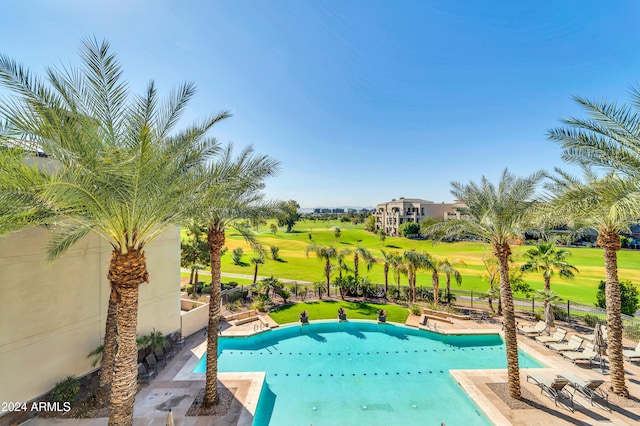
[{"x": 176, "y": 387}]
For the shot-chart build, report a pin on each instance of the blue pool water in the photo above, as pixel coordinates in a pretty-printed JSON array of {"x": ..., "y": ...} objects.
[{"x": 354, "y": 372}]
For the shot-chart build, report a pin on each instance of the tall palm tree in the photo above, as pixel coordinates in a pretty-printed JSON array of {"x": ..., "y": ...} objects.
[
  {"x": 548, "y": 259},
  {"x": 498, "y": 215},
  {"x": 413, "y": 262},
  {"x": 228, "y": 192},
  {"x": 325, "y": 253},
  {"x": 342, "y": 265},
  {"x": 257, "y": 261},
  {"x": 387, "y": 262},
  {"x": 399, "y": 268},
  {"x": 361, "y": 252},
  {"x": 609, "y": 205},
  {"x": 447, "y": 268},
  {"x": 118, "y": 170},
  {"x": 609, "y": 138}
]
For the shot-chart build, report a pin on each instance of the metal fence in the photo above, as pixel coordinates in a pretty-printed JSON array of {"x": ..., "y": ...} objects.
[{"x": 571, "y": 312}]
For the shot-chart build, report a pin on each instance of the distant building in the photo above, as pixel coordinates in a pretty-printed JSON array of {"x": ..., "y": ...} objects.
[
  {"x": 389, "y": 216},
  {"x": 337, "y": 210}
]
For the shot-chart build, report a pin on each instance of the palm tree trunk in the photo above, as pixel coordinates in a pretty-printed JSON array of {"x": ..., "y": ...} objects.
[
  {"x": 103, "y": 392},
  {"x": 449, "y": 289},
  {"x": 195, "y": 285},
  {"x": 126, "y": 273},
  {"x": 355, "y": 266},
  {"x": 327, "y": 273},
  {"x": 191, "y": 276},
  {"x": 502, "y": 252},
  {"x": 610, "y": 242},
  {"x": 386, "y": 280},
  {"x": 435, "y": 281},
  {"x": 215, "y": 241},
  {"x": 255, "y": 273}
]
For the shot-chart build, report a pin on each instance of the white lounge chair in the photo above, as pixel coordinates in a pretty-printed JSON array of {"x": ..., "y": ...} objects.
[
  {"x": 588, "y": 354},
  {"x": 553, "y": 386},
  {"x": 574, "y": 344},
  {"x": 533, "y": 330},
  {"x": 589, "y": 388},
  {"x": 632, "y": 355},
  {"x": 557, "y": 337}
]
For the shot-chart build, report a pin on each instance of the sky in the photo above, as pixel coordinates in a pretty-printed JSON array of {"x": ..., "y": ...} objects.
[{"x": 360, "y": 101}]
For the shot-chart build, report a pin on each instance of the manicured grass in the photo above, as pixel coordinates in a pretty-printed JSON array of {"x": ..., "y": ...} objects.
[
  {"x": 296, "y": 265},
  {"x": 328, "y": 309}
]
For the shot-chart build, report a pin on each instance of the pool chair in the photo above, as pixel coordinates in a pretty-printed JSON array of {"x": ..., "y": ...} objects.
[
  {"x": 557, "y": 337},
  {"x": 574, "y": 344},
  {"x": 589, "y": 388},
  {"x": 632, "y": 355},
  {"x": 552, "y": 386},
  {"x": 144, "y": 375},
  {"x": 588, "y": 354},
  {"x": 533, "y": 330},
  {"x": 152, "y": 362}
]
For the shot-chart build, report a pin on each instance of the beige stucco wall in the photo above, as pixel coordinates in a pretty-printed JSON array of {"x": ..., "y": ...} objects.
[
  {"x": 53, "y": 313},
  {"x": 195, "y": 319}
]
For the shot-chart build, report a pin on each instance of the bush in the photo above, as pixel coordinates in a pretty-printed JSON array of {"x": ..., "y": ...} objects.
[
  {"x": 409, "y": 228},
  {"x": 591, "y": 320},
  {"x": 261, "y": 305},
  {"x": 560, "y": 314},
  {"x": 206, "y": 290},
  {"x": 285, "y": 294},
  {"x": 236, "y": 256},
  {"x": 66, "y": 390},
  {"x": 628, "y": 297},
  {"x": 416, "y": 310},
  {"x": 632, "y": 332}
]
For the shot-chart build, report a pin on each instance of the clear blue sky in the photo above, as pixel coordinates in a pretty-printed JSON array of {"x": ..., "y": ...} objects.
[{"x": 361, "y": 101}]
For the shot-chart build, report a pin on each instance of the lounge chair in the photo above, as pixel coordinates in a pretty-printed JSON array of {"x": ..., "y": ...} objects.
[
  {"x": 144, "y": 375},
  {"x": 152, "y": 362},
  {"x": 588, "y": 354},
  {"x": 162, "y": 356},
  {"x": 632, "y": 355},
  {"x": 533, "y": 330},
  {"x": 168, "y": 348},
  {"x": 574, "y": 344},
  {"x": 553, "y": 386},
  {"x": 589, "y": 388},
  {"x": 557, "y": 337}
]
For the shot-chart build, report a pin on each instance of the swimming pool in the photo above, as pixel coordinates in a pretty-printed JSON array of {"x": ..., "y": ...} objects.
[{"x": 361, "y": 372}]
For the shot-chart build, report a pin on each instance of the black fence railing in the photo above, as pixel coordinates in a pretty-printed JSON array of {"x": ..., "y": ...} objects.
[{"x": 565, "y": 311}]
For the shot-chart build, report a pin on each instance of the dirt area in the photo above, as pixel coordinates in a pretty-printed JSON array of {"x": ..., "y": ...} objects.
[{"x": 221, "y": 409}]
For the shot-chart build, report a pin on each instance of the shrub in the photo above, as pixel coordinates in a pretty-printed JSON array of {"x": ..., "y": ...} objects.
[
  {"x": 628, "y": 297},
  {"x": 559, "y": 314},
  {"x": 285, "y": 294},
  {"x": 236, "y": 255},
  {"x": 275, "y": 252},
  {"x": 260, "y": 304},
  {"x": 539, "y": 315},
  {"x": 591, "y": 320},
  {"x": 632, "y": 332},
  {"x": 206, "y": 290},
  {"x": 367, "y": 288},
  {"x": 416, "y": 310},
  {"x": 66, "y": 390}
]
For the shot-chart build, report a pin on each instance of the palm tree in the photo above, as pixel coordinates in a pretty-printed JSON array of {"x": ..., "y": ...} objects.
[
  {"x": 366, "y": 256},
  {"x": 117, "y": 170},
  {"x": 608, "y": 139},
  {"x": 325, "y": 253},
  {"x": 498, "y": 215},
  {"x": 413, "y": 262},
  {"x": 546, "y": 258},
  {"x": 609, "y": 205},
  {"x": 387, "y": 262},
  {"x": 342, "y": 265},
  {"x": 399, "y": 268},
  {"x": 449, "y": 271},
  {"x": 257, "y": 261},
  {"x": 229, "y": 190}
]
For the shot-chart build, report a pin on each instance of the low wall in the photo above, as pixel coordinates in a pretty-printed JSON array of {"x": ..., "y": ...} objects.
[
  {"x": 194, "y": 319},
  {"x": 240, "y": 315}
]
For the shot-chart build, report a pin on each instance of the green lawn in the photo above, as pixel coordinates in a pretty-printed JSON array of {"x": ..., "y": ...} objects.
[
  {"x": 296, "y": 265},
  {"x": 328, "y": 309}
]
